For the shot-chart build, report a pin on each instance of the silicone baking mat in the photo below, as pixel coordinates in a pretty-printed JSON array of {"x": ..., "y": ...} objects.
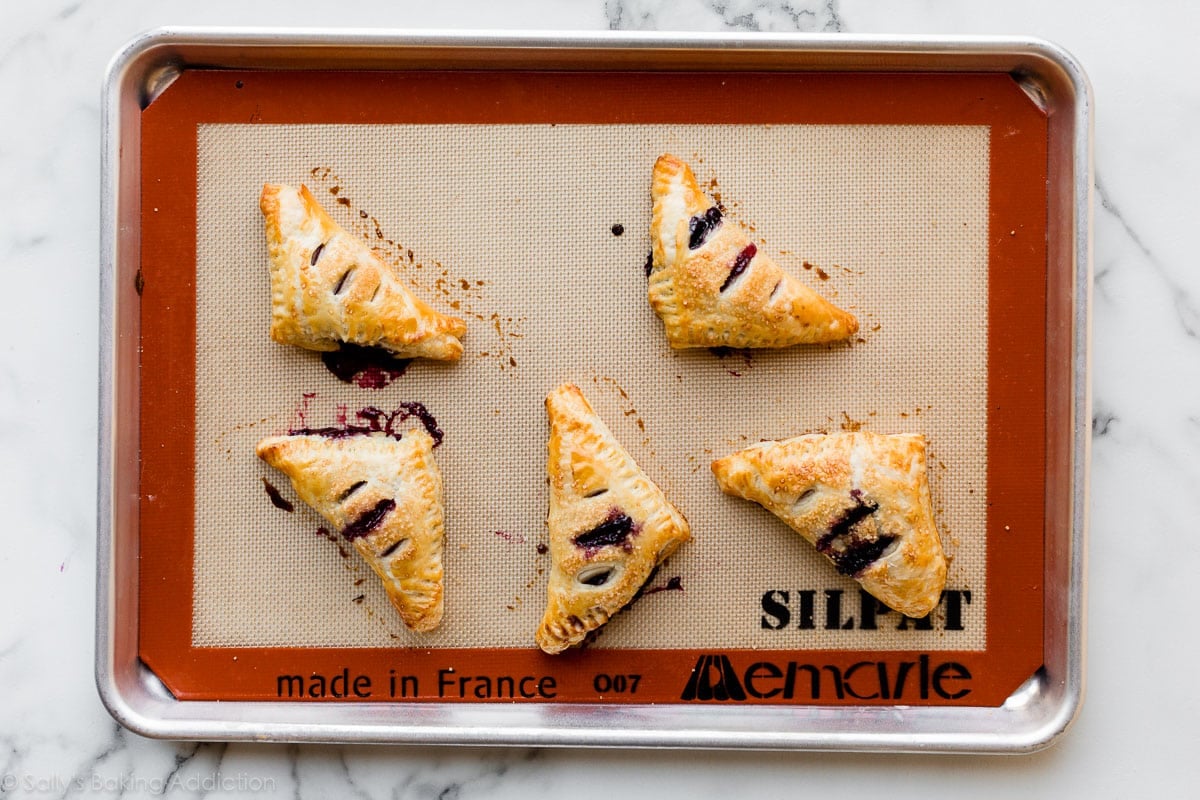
[{"x": 535, "y": 231}]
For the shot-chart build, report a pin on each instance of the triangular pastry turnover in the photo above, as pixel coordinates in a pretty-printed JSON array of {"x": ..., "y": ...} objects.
[
  {"x": 610, "y": 525},
  {"x": 385, "y": 497},
  {"x": 713, "y": 287},
  {"x": 861, "y": 498},
  {"x": 328, "y": 287}
]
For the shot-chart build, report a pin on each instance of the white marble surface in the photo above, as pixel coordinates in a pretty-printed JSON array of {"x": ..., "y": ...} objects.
[{"x": 1138, "y": 730}]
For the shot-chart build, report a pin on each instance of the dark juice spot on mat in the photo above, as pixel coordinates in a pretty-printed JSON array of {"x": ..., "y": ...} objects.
[
  {"x": 369, "y": 520},
  {"x": 277, "y": 500},
  {"x": 649, "y": 265},
  {"x": 618, "y": 229},
  {"x": 723, "y": 352},
  {"x": 673, "y": 585},
  {"x": 365, "y": 367},
  {"x": 542, "y": 549}
]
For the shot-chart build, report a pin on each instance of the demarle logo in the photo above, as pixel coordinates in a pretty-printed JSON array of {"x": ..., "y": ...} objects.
[{"x": 713, "y": 678}]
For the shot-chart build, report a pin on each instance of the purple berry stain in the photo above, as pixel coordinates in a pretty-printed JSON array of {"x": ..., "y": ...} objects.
[
  {"x": 675, "y": 584},
  {"x": 277, "y": 500},
  {"x": 365, "y": 367},
  {"x": 747, "y": 357},
  {"x": 373, "y": 420}
]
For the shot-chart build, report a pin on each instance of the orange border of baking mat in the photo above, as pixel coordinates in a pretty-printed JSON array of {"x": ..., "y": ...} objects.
[{"x": 1016, "y": 421}]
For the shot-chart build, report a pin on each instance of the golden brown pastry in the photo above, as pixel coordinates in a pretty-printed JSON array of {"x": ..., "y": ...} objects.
[
  {"x": 385, "y": 496},
  {"x": 327, "y": 287},
  {"x": 713, "y": 287},
  {"x": 861, "y": 498},
  {"x": 610, "y": 526}
]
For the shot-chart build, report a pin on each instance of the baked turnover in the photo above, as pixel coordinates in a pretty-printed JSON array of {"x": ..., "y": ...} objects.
[
  {"x": 713, "y": 287},
  {"x": 862, "y": 499},
  {"x": 610, "y": 525},
  {"x": 329, "y": 287},
  {"x": 384, "y": 494}
]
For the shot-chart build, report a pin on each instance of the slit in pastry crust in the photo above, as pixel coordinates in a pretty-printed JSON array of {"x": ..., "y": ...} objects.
[
  {"x": 862, "y": 499},
  {"x": 712, "y": 287},
  {"x": 610, "y": 525},
  {"x": 329, "y": 287},
  {"x": 385, "y": 497}
]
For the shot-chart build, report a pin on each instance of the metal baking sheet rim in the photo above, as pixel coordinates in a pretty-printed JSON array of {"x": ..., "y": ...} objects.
[{"x": 1034, "y": 717}]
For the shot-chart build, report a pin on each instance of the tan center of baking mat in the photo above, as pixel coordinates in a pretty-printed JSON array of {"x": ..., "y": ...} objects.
[{"x": 537, "y": 236}]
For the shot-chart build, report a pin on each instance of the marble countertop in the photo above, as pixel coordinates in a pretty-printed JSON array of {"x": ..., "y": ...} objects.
[{"x": 1138, "y": 729}]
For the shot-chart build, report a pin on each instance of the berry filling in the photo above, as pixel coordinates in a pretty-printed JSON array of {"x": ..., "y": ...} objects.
[
  {"x": 354, "y": 488},
  {"x": 739, "y": 264},
  {"x": 701, "y": 226},
  {"x": 394, "y": 547},
  {"x": 342, "y": 281},
  {"x": 369, "y": 520},
  {"x": 852, "y": 551},
  {"x": 615, "y": 530}
]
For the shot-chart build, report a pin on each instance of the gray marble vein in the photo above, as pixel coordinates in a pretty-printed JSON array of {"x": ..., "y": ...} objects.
[
  {"x": 742, "y": 15},
  {"x": 1182, "y": 300}
]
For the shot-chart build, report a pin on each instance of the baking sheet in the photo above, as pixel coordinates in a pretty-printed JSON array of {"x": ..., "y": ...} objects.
[{"x": 147, "y": 662}]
